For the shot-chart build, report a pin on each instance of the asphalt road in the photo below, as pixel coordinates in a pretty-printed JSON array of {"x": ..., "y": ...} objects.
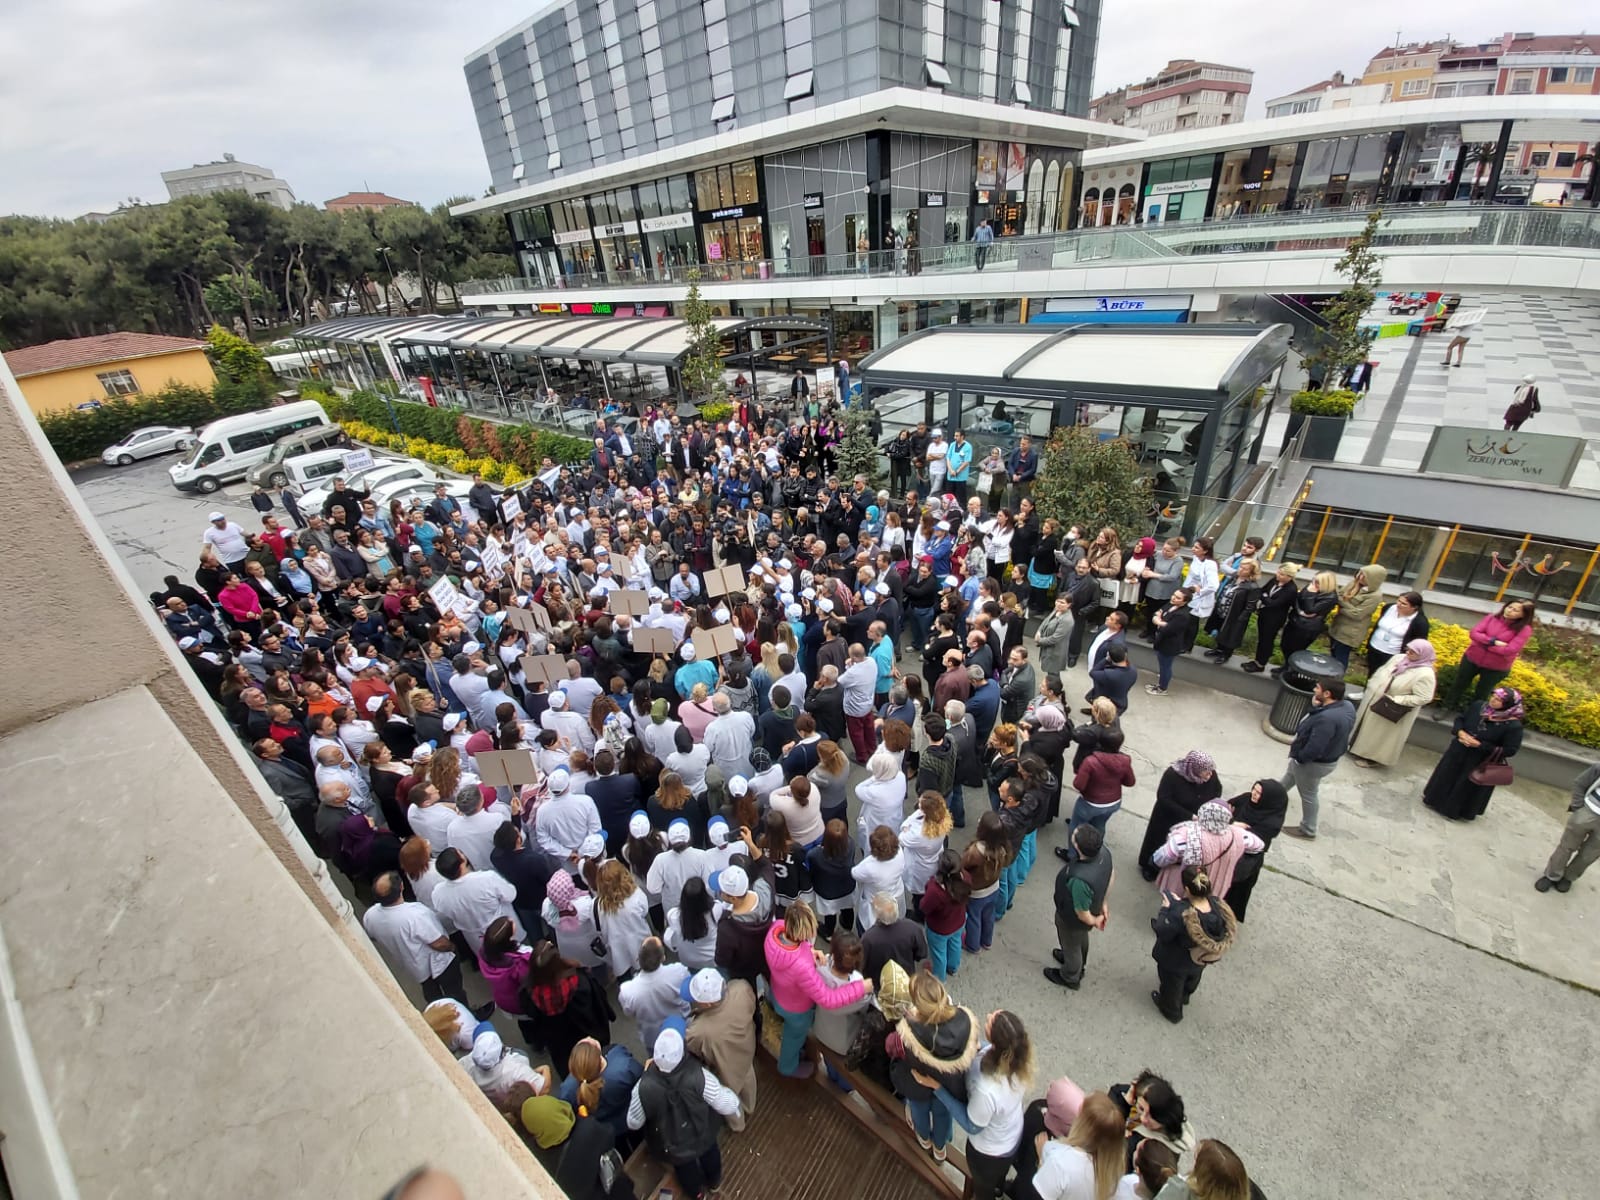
[{"x": 1404, "y": 1016}]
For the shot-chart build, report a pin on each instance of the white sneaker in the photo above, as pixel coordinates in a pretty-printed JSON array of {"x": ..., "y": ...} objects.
[{"x": 1153, "y": 690}]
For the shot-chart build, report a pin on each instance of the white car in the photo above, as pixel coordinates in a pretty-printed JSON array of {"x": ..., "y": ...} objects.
[
  {"x": 146, "y": 443},
  {"x": 385, "y": 470},
  {"x": 414, "y": 493}
]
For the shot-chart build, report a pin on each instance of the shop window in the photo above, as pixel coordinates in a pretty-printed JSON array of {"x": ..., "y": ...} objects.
[{"x": 1049, "y": 205}]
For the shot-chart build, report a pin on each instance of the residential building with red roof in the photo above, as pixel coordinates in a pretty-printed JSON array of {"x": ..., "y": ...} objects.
[{"x": 83, "y": 372}]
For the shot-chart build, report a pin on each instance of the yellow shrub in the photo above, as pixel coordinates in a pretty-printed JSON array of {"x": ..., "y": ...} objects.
[{"x": 1550, "y": 708}]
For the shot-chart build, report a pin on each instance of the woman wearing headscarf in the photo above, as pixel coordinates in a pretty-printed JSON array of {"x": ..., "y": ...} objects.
[
  {"x": 1262, "y": 811},
  {"x": 1184, "y": 787},
  {"x": 1193, "y": 930},
  {"x": 1395, "y": 695},
  {"x": 1131, "y": 587},
  {"x": 1489, "y": 729},
  {"x": 1358, "y": 601},
  {"x": 1212, "y": 842},
  {"x": 364, "y": 851}
]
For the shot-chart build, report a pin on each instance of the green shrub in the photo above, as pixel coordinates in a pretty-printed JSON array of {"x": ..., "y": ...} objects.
[
  {"x": 524, "y": 445},
  {"x": 1324, "y": 404},
  {"x": 716, "y": 411},
  {"x": 77, "y": 436}
]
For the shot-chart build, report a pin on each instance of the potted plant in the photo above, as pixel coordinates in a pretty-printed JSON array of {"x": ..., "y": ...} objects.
[{"x": 1327, "y": 413}]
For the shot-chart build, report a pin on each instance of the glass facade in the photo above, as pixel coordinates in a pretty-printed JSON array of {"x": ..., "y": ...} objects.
[
  {"x": 1257, "y": 180},
  {"x": 816, "y": 201},
  {"x": 1178, "y": 189}
]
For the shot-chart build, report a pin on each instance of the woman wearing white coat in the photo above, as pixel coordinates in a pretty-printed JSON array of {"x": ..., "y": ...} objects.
[
  {"x": 922, "y": 840},
  {"x": 882, "y": 796}
]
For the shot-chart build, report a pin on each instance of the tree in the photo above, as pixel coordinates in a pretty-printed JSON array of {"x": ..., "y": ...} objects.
[
  {"x": 226, "y": 293},
  {"x": 1344, "y": 342},
  {"x": 858, "y": 450},
  {"x": 702, "y": 365},
  {"x": 1091, "y": 482}
]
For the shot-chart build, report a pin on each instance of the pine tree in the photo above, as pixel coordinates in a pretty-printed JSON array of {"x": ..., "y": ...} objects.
[
  {"x": 702, "y": 365},
  {"x": 858, "y": 451},
  {"x": 1089, "y": 482},
  {"x": 1344, "y": 342}
]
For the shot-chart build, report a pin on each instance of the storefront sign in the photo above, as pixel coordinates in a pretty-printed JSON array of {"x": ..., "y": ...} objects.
[
  {"x": 589, "y": 310},
  {"x": 1062, "y": 304},
  {"x": 620, "y": 229},
  {"x": 1500, "y": 454},
  {"x": 983, "y": 195},
  {"x": 572, "y": 237},
  {"x": 1250, "y": 187},
  {"x": 811, "y": 200},
  {"x": 550, "y": 308},
  {"x": 932, "y": 200},
  {"x": 683, "y": 220},
  {"x": 728, "y": 214},
  {"x": 1180, "y": 185}
]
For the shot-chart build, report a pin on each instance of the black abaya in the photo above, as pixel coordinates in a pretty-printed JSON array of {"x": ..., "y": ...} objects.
[
  {"x": 1177, "y": 800},
  {"x": 1450, "y": 790}
]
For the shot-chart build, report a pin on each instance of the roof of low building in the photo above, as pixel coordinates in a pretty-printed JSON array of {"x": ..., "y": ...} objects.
[{"x": 91, "y": 351}]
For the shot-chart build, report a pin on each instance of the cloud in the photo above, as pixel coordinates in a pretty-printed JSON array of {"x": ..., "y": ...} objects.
[{"x": 333, "y": 97}]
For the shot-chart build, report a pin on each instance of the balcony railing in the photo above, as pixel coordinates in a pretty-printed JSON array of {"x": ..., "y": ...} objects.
[{"x": 1315, "y": 230}]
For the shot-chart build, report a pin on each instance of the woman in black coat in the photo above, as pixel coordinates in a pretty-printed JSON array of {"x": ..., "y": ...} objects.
[
  {"x": 567, "y": 1001},
  {"x": 1239, "y": 600},
  {"x": 1262, "y": 810},
  {"x": 1191, "y": 930},
  {"x": 1487, "y": 727},
  {"x": 1309, "y": 619},
  {"x": 1273, "y": 607},
  {"x": 1186, "y": 785}
]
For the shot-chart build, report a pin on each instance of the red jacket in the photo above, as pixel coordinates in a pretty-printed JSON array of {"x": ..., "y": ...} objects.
[
  {"x": 1496, "y": 658},
  {"x": 942, "y": 914},
  {"x": 1102, "y": 777}
]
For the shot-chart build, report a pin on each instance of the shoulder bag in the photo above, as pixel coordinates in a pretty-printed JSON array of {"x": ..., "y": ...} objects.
[
  {"x": 1390, "y": 710},
  {"x": 1493, "y": 771}
]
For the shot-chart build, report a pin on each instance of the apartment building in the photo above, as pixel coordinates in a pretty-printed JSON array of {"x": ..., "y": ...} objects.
[{"x": 1184, "y": 94}]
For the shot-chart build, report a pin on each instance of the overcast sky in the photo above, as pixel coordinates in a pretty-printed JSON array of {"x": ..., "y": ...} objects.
[{"x": 101, "y": 96}]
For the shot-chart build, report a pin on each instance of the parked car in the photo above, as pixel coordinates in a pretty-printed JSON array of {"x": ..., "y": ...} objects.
[
  {"x": 148, "y": 442},
  {"x": 413, "y": 493},
  {"x": 405, "y": 470}
]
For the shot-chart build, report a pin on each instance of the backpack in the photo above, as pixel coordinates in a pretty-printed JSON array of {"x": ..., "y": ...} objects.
[{"x": 685, "y": 1126}]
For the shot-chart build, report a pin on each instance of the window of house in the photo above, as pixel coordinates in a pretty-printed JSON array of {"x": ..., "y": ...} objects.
[
  {"x": 120, "y": 383},
  {"x": 1583, "y": 75},
  {"x": 1565, "y": 158},
  {"x": 1540, "y": 158},
  {"x": 1558, "y": 74},
  {"x": 1521, "y": 85},
  {"x": 1414, "y": 87}
]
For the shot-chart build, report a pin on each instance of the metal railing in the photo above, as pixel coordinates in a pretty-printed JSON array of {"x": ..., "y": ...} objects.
[{"x": 1318, "y": 230}]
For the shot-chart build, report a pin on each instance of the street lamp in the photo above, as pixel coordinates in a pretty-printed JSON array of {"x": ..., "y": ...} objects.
[{"x": 384, "y": 250}]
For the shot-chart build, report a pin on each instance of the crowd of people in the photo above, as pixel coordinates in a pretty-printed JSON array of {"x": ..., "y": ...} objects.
[{"x": 678, "y": 844}]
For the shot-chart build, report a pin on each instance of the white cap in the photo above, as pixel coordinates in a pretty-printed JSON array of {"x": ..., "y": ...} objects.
[
  {"x": 185, "y": 643},
  {"x": 423, "y": 752},
  {"x": 717, "y": 830},
  {"x": 559, "y": 781},
  {"x": 951, "y": 581},
  {"x": 942, "y": 526},
  {"x": 216, "y": 516},
  {"x": 639, "y": 825},
  {"x": 657, "y": 594},
  {"x": 793, "y": 612},
  {"x": 471, "y": 647},
  {"x": 825, "y": 605},
  {"x": 937, "y": 432},
  {"x": 605, "y": 566},
  {"x": 784, "y": 564},
  {"x": 882, "y": 589},
  {"x": 678, "y": 833},
  {"x": 470, "y": 565},
  {"x": 374, "y": 703},
  {"x": 668, "y": 1050},
  {"x": 810, "y": 593},
  {"x": 450, "y": 721},
  {"x": 738, "y": 785},
  {"x": 722, "y": 614},
  {"x": 360, "y": 664},
  {"x": 687, "y": 652},
  {"x": 593, "y": 846},
  {"x": 558, "y": 700},
  {"x": 705, "y": 986},
  {"x": 731, "y": 881},
  {"x": 487, "y": 1050}
]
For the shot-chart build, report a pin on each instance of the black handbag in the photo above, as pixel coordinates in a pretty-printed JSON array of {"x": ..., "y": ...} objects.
[{"x": 1390, "y": 710}]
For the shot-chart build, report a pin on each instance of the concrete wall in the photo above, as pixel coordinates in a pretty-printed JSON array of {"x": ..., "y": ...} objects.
[
  {"x": 201, "y": 1013},
  {"x": 62, "y": 391}
]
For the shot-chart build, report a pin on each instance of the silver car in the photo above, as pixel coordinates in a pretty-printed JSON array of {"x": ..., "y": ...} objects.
[{"x": 146, "y": 443}]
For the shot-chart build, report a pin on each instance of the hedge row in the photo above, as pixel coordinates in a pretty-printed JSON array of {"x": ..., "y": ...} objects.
[
  {"x": 76, "y": 436},
  {"x": 491, "y": 449}
]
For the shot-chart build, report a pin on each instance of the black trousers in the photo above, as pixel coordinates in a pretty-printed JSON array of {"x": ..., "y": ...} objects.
[
  {"x": 1267, "y": 626},
  {"x": 1081, "y": 625},
  {"x": 1176, "y": 988},
  {"x": 958, "y": 489},
  {"x": 1296, "y": 640},
  {"x": 446, "y": 983},
  {"x": 988, "y": 1173},
  {"x": 697, "y": 1175}
]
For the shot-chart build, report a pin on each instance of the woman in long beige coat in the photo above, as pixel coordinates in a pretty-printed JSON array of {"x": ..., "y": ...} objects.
[{"x": 1408, "y": 679}]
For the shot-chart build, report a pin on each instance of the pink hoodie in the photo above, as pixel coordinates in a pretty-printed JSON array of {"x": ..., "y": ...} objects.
[
  {"x": 796, "y": 986},
  {"x": 1496, "y": 658}
]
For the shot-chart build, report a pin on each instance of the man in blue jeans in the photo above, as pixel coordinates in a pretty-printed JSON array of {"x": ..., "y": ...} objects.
[{"x": 1320, "y": 741}]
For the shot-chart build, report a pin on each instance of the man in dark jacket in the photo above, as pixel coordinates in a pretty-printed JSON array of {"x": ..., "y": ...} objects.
[
  {"x": 892, "y": 938},
  {"x": 347, "y": 498},
  {"x": 826, "y": 705},
  {"x": 1114, "y": 680},
  {"x": 677, "y": 1103},
  {"x": 615, "y": 797},
  {"x": 983, "y": 703},
  {"x": 482, "y": 499},
  {"x": 525, "y": 869},
  {"x": 1320, "y": 741}
]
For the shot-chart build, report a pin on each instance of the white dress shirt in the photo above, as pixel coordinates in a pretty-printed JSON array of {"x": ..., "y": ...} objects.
[
  {"x": 472, "y": 903},
  {"x": 474, "y": 835},
  {"x": 404, "y": 932}
]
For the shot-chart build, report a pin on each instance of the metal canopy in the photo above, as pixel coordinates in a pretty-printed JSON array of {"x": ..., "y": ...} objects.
[
  {"x": 645, "y": 341},
  {"x": 1196, "y": 363}
]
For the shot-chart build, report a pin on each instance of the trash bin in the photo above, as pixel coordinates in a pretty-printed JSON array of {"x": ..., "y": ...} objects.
[{"x": 1300, "y": 675}]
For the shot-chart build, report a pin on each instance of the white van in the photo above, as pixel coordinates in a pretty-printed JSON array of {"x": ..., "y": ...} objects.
[
  {"x": 306, "y": 471},
  {"x": 226, "y": 449}
]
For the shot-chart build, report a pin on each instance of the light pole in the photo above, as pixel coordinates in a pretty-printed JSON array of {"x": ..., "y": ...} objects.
[{"x": 388, "y": 266}]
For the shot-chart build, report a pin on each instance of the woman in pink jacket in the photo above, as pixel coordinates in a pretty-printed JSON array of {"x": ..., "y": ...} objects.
[
  {"x": 243, "y": 606},
  {"x": 797, "y": 987},
  {"x": 1496, "y": 642}
]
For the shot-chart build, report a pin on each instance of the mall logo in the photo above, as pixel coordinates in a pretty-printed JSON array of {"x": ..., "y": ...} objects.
[{"x": 1482, "y": 449}]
